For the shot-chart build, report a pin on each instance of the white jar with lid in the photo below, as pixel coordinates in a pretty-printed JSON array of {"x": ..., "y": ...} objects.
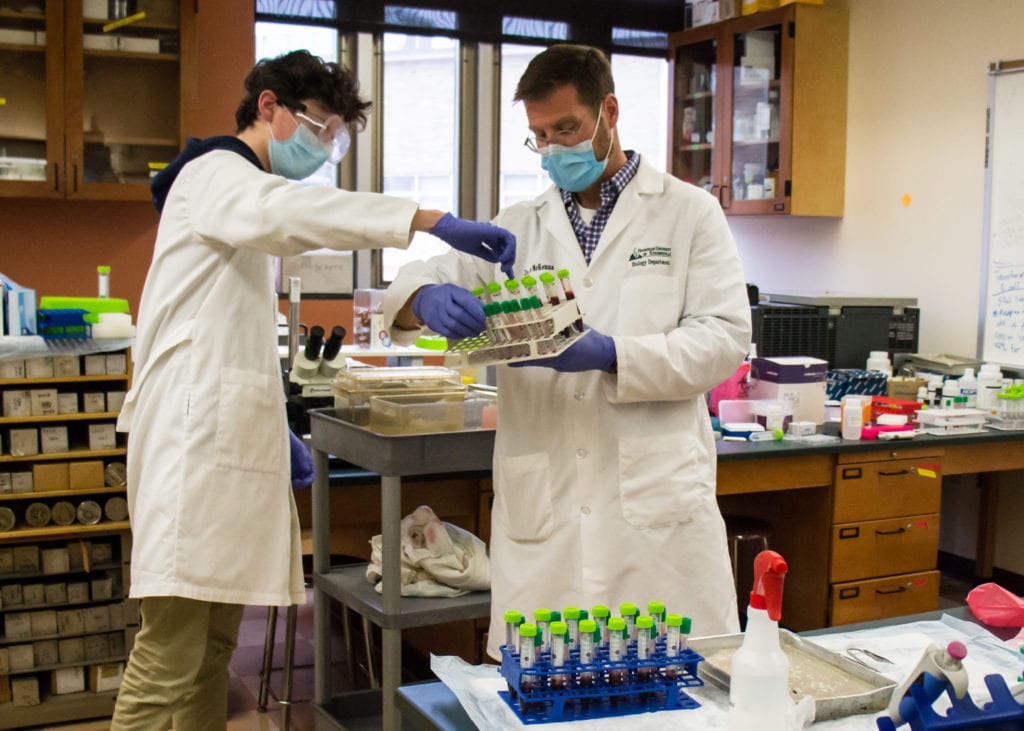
[{"x": 879, "y": 361}]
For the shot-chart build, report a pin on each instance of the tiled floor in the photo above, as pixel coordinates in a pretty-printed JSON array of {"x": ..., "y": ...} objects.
[{"x": 245, "y": 668}]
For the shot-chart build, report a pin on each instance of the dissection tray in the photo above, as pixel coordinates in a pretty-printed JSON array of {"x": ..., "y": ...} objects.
[{"x": 840, "y": 686}]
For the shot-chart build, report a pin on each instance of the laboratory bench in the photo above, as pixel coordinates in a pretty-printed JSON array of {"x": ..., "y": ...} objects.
[{"x": 857, "y": 522}]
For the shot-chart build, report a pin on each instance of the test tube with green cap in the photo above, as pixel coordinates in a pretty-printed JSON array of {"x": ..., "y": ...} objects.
[
  {"x": 542, "y": 618},
  {"x": 481, "y": 294},
  {"x": 646, "y": 635},
  {"x": 600, "y": 613},
  {"x": 512, "y": 621},
  {"x": 590, "y": 638},
  {"x": 618, "y": 638},
  {"x": 673, "y": 625},
  {"x": 572, "y": 623},
  {"x": 529, "y": 651},
  {"x": 563, "y": 278},
  {"x": 657, "y": 611},
  {"x": 628, "y": 611},
  {"x": 559, "y": 654},
  {"x": 103, "y": 274},
  {"x": 550, "y": 290},
  {"x": 684, "y": 633}
]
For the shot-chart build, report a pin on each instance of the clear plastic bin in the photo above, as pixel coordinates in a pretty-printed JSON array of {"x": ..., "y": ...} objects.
[
  {"x": 354, "y": 387},
  {"x": 417, "y": 413}
]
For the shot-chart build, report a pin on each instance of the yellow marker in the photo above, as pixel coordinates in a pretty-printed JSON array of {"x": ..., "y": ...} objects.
[
  {"x": 124, "y": 21},
  {"x": 3, "y": 101},
  {"x": 905, "y": 200}
]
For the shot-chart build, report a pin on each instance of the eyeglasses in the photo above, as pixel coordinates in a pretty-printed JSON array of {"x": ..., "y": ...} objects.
[
  {"x": 560, "y": 137},
  {"x": 332, "y": 133}
]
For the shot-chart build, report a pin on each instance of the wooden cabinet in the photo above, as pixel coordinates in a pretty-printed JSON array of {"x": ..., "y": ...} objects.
[
  {"x": 758, "y": 116},
  {"x": 885, "y": 535},
  {"x": 66, "y": 624},
  {"x": 95, "y": 103}
]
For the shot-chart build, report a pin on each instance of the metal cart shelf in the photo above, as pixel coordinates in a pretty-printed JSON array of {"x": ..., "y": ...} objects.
[{"x": 392, "y": 457}]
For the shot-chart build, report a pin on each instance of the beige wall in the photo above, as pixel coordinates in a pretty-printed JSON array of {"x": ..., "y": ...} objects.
[{"x": 916, "y": 124}]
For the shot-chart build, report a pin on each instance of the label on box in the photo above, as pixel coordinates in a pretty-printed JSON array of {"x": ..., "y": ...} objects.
[
  {"x": 39, "y": 367},
  {"x": 45, "y": 652},
  {"x": 56, "y": 594},
  {"x": 20, "y": 657},
  {"x": 25, "y": 690},
  {"x": 12, "y": 369},
  {"x": 44, "y": 401},
  {"x": 102, "y": 436},
  {"x": 65, "y": 366},
  {"x": 18, "y": 626},
  {"x": 6, "y": 488},
  {"x": 44, "y": 623},
  {"x": 68, "y": 680},
  {"x": 11, "y": 595},
  {"x": 54, "y": 439},
  {"x": 96, "y": 619},
  {"x": 115, "y": 400},
  {"x": 17, "y": 403},
  {"x": 94, "y": 403},
  {"x": 102, "y": 589},
  {"x": 96, "y": 647},
  {"x": 21, "y": 482},
  {"x": 116, "y": 364},
  {"x": 71, "y": 649},
  {"x": 24, "y": 442},
  {"x": 26, "y": 559},
  {"x": 78, "y": 592},
  {"x": 67, "y": 403},
  {"x": 6, "y": 561},
  {"x": 33, "y": 594},
  {"x": 55, "y": 561},
  {"x": 69, "y": 621},
  {"x": 105, "y": 677},
  {"x": 95, "y": 365}
]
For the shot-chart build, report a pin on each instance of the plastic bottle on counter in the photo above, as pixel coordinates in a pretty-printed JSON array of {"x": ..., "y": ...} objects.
[
  {"x": 951, "y": 394},
  {"x": 853, "y": 418},
  {"x": 879, "y": 361},
  {"x": 969, "y": 388},
  {"x": 990, "y": 382}
]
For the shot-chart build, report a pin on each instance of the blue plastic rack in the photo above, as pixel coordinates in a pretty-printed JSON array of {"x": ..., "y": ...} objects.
[
  {"x": 1004, "y": 713},
  {"x": 572, "y": 702}
]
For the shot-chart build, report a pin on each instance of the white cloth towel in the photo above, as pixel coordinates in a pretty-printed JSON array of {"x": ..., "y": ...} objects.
[{"x": 438, "y": 558}]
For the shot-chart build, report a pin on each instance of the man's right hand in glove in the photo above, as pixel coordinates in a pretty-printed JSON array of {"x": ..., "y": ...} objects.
[{"x": 449, "y": 310}]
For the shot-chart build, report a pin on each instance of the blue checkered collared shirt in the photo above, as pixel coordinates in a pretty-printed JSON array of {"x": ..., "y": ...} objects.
[{"x": 589, "y": 235}]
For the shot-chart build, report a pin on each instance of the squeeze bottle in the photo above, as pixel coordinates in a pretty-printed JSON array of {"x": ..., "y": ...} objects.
[
  {"x": 759, "y": 697},
  {"x": 853, "y": 419},
  {"x": 990, "y": 381},
  {"x": 969, "y": 388}
]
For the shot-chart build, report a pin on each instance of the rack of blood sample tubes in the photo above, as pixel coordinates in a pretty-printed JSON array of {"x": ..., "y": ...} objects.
[
  {"x": 526, "y": 319},
  {"x": 576, "y": 665}
]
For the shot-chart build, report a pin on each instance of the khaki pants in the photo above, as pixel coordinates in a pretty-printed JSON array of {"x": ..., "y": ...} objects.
[{"x": 178, "y": 668}]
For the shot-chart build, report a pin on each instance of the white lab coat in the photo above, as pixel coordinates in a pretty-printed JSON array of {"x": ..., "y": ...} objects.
[
  {"x": 605, "y": 484},
  {"x": 209, "y": 489}
]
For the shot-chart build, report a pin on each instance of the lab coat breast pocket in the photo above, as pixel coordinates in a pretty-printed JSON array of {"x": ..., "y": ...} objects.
[
  {"x": 524, "y": 497},
  {"x": 649, "y": 304},
  {"x": 249, "y": 421},
  {"x": 660, "y": 479}
]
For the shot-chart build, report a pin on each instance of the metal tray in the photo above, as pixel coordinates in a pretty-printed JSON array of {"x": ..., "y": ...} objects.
[{"x": 840, "y": 686}]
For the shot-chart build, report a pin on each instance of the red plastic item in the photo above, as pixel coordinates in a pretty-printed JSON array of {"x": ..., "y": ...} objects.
[
  {"x": 888, "y": 405},
  {"x": 732, "y": 388},
  {"x": 994, "y": 605},
  {"x": 769, "y": 573}
]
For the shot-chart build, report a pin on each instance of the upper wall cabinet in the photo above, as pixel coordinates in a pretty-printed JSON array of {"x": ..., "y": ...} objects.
[
  {"x": 90, "y": 96},
  {"x": 759, "y": 110}
]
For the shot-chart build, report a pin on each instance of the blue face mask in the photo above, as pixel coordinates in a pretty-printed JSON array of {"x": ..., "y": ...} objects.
[
  {"x": 299, "y": 156},
  {"x": 574, "y": 168}
]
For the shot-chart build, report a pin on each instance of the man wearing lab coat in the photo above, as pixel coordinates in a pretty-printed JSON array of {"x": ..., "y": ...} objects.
[
  {"x": 604, "y": 464},
  {"x": 214, "y": 525}
]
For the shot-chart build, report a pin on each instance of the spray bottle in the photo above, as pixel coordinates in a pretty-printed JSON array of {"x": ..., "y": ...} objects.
[{"x": 759, "y": 675}]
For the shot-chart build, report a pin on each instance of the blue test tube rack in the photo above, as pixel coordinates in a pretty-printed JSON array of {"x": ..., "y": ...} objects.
[
  {"x": 1003, "y": 713},
  {"x": 543, "y": 704}
]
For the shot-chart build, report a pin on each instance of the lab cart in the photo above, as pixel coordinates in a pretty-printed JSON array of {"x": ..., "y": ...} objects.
[{"x": 392, "y": 457}]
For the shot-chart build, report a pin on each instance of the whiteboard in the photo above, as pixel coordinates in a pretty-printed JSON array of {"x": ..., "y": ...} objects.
[
  {"x": 323, "y": 272},
  {"x": 1001, "y": 331}
]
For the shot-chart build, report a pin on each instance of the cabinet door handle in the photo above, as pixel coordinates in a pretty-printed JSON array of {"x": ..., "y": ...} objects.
[
  {"x": 74, "y": 178},
  {"x": 56, "y": 176},
  {"x": 895, "y": 474},
  {"x": 899, "y": 590},
  {"x": 890, "y": 532}
]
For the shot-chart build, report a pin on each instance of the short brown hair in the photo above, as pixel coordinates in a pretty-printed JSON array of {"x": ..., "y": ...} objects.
[{"x": 585, "y": 67}]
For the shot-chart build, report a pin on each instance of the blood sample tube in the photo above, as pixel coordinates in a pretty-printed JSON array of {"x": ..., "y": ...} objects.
[
  {"x": 542, "y": 618},
  {"x": 600, "y": 613},
  {"x": 618, "y": 637},
  {"x": 646, "y": 635},
  {"x": 559, "y": 655},
  {"x": 512, "y": 621},
  {"x": 590, "y": 638},
  {"x": 563, "y": 278},
  {"x": 572, "y": 623},
  {"x": 529, "y": 649},
  {"x": 672, "y": 649},
  {"x": 550, "y": 290},
  {"x": 657, "y": 612},
  {"x": 628, "y": 612}
]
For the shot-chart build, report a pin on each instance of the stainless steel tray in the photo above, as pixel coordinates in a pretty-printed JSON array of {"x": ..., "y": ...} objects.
[{"x": 840, "y": 686}]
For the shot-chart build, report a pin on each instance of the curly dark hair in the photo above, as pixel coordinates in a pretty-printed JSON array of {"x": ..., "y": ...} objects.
[{"x": 300, "y": 75}]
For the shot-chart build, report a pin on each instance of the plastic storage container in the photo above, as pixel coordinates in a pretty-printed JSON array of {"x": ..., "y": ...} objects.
[
  {"x": 354, "y": 387},
  {"x": 417, "y": 413}
]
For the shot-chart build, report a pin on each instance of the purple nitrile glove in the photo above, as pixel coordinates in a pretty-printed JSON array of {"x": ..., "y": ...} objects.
[
  {"x": 303, "y": 469},
  {"x": 449, "y": 310},
  {"x": 484, "y": 240},
  {"x": 595, "y": 352}
]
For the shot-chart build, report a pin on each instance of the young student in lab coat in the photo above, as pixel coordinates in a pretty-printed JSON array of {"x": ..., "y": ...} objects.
[
  {"x": 213, "y": 520},
  {"x": 604, "y": 464}
]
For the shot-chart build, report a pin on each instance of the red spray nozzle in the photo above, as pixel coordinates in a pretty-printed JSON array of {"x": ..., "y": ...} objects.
[{"x": 769, "y": 572}]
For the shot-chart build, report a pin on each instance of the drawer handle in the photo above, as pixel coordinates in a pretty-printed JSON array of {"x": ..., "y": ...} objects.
[
  {"x": 895, "y": 474},
  {"x": 898, "y": 590},
  {"x": 890, "y": 532}
]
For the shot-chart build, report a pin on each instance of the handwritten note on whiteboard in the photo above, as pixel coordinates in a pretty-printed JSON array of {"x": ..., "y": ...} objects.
[
  {"x": 321, "y": 272},
  {"x": 1002, "y": 316}
]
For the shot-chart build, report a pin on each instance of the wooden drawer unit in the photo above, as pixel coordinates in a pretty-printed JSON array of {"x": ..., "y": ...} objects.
[
  {"x": 880, "y": 547},
  {"x": 887, "y": 484},
  {"x": 893, "y": 596}
]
